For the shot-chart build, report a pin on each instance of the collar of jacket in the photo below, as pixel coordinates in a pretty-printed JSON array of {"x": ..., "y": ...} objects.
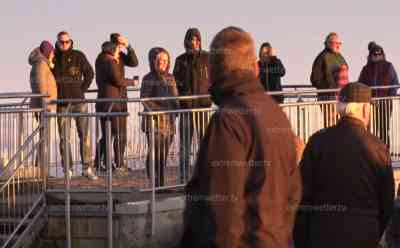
[
  {"x": 237, "y": 83},
  {"x": 353, "y": 121}
]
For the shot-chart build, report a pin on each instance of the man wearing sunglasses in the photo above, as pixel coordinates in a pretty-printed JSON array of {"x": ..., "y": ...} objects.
[{"x": 73, "y": 75}]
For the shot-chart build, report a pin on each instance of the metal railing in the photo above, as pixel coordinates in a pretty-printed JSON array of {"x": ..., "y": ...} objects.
[
  {"x": 23, "y": 167},
  {"x": 107, "y": 118},
  {"x": 161, "y": 145}
]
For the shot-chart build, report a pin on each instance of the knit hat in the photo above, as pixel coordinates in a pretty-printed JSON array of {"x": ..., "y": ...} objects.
[
  {"x": 46, "y": 48},
  {"x": 374, "y": 48},
  {"x": 355, "y": 92},
  {"x": 108, "y": 47}
]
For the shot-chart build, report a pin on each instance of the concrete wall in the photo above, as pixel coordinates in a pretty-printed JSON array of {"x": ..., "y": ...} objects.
[{"x": 132, "y": 226}]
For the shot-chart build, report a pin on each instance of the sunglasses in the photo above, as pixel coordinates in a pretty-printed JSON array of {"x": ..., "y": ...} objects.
[{"x": 64, "y": 41}]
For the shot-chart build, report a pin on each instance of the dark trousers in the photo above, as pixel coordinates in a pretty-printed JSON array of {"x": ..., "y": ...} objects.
[
  {"x": 82, "y": 126},
  {"x": 381, "y": 120},
  {"x": 162, "y": 143},
  {"x": 118, "y": 139},
  {"x": 187, "y": 124}
]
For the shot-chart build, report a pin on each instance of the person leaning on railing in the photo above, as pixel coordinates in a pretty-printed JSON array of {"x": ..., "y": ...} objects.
[
  {"x": 159, "y": 83},
  {"x": 112, "y": 84},
  {"x": 380, "y": 72}
]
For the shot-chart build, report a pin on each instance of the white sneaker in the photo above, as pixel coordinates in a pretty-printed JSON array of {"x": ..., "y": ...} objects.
[
  {"x": 90, "y": 174},
  {"x": 70, "y": 173}
]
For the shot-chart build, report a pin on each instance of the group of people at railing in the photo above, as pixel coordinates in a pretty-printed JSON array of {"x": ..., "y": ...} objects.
[{"x": 249, "y": 128}]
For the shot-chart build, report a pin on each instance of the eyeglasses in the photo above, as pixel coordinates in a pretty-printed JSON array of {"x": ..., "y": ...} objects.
[
  {"x": 336, "y": 43},
  {"x": 64, "y": 41}
]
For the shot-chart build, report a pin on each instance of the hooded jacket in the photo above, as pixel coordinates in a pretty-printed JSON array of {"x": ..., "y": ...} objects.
[
  {"x": 42, "y": 79},
  {"x": 191, "y": 73},
  {"x": 323, "y": 67},
  {"x": 379, "y": 73},
  {"x": 73, "y": 73},
  {"x": 111, "y": 83},
  {"x": 246, "y": 184},
  {"x": 155, "y": 84}
]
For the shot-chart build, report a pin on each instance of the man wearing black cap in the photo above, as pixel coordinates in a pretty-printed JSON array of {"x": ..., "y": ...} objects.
[
  {"x": 380, "y": 72},
  {"x": 191, "y": 74},
  {"x": 347, "y": 178}
]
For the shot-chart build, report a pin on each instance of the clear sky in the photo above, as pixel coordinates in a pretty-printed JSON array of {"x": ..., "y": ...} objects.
[{"x": 295, "y": 28}]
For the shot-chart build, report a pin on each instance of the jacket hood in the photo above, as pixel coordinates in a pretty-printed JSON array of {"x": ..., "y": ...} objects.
[
  {"x": 238, "y": 83},
  {"x": 153, "y": 53},
  {"x": 36, "y": 56},
  {"x": 57, "y": 48},
  {"x": 188, "y": 37}
]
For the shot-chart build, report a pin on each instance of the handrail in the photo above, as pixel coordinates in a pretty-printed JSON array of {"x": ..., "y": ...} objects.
[
  {"x": 138, "y": 99},
  {"x": 17, "y": 95}
]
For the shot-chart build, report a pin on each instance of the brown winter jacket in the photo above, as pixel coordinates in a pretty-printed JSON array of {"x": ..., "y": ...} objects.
[
  {"x": 246, "y": 184},
  {"x": 111, "y": 83},
  {"x": 42, "y": 80}
]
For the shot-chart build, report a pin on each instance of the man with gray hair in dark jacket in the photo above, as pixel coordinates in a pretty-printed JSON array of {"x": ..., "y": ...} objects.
[{"x": 347, "y": 180}]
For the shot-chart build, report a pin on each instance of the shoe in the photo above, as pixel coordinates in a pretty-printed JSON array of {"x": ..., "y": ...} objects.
[
  {"x": 90, "y": 174},
  {"x": 70, "y": 173}
]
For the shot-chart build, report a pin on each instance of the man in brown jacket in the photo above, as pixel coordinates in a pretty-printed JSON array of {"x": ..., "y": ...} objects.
[
  {"x": 111, "y": 83},
  {"x": 246, "y": 184}
]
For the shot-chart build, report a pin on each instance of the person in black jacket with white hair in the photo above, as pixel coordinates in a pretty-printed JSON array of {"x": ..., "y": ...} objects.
[{"x": 347, "y": 180}]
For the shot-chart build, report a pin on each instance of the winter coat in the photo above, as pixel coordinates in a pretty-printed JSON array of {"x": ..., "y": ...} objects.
[
  {"x": 111, "y": 83},
  {"x": 323, "y": 67},
  {"x": 270, "y": 75},
  {"x": 156, "y": 85},
  {"x": 42, "y": 80},
  {"x": 73, "y": 73},
  {"x": 381, "y": 73},
  {"x": 191, "y": 74},
  {"x": 246, "y": 184},
  {"x": 348, "y": 188}
]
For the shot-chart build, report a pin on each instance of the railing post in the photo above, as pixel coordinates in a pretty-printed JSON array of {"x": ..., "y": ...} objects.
[
  {"x": 152, "y": 176},
  {"x": 68, "y": 188},
  {"x": 109, "y": 184},
  {"x": 45, "y": 146}
]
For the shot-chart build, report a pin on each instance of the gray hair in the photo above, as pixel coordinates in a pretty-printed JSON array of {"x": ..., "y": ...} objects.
[{"x": 353, "y": 109}]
